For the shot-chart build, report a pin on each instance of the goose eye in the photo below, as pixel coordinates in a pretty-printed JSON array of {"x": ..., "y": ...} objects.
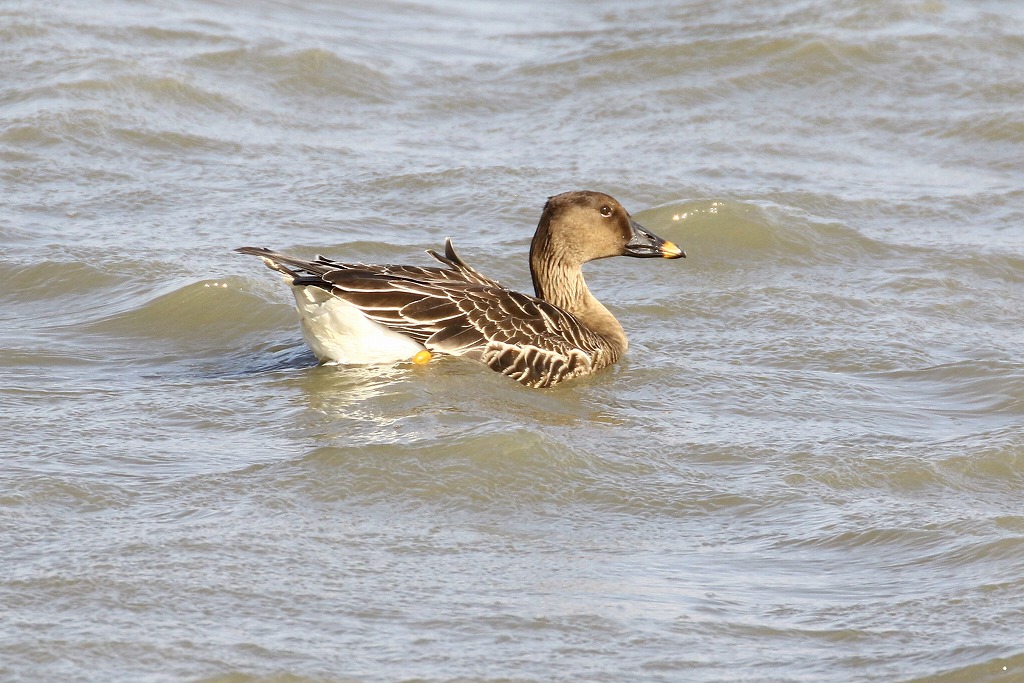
[{"x": 606, "y": 211}]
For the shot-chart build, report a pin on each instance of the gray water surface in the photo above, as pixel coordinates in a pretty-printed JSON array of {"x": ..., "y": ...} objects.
[{"x": 809, "y": 466}]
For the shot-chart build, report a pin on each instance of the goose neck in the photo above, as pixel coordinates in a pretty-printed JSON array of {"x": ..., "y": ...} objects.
[{"x": 562, "y": 284}]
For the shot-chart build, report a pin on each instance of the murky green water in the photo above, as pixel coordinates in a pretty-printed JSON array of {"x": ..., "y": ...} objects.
[{"x": 809, "y": 467}]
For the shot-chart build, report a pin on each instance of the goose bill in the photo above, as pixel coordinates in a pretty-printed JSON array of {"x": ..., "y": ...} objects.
[{"x": 645, "y": 244}]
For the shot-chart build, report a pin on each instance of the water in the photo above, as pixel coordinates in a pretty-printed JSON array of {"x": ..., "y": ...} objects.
[{"x": 809, "y": 467}]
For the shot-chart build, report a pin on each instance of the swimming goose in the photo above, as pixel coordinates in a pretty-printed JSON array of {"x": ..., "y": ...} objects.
[{"x": 355, "y": 313}]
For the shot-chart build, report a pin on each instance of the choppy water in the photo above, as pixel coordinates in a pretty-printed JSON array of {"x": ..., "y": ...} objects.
[{"x": 809, "y": 467}]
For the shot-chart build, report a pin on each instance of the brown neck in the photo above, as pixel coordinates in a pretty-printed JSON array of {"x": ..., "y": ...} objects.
[{"x": 561, "y": 283}]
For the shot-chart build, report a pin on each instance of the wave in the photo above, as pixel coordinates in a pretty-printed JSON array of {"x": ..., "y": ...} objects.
[
  {"x": 731, "y": 233},
  {"x": 312, "y": 71},
  {"x": 206, "y": 318}
]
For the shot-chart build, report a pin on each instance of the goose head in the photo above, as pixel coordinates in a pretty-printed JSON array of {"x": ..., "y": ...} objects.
[{"x": 577, "y": 227}]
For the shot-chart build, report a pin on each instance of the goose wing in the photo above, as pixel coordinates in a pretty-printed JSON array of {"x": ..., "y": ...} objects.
[
  {"x": 525, "y": 338},
  {"x": 458, "y": 311}
]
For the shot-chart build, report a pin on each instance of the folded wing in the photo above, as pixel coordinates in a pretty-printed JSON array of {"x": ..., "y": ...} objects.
[{"x": 457, "y": 311}]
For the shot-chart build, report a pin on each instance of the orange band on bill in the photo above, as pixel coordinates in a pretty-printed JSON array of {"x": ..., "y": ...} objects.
[{"x": 670, "y": 250}]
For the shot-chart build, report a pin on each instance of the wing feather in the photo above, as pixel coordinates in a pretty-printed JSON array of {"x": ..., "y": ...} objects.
[{"x": 457, "y": 311}]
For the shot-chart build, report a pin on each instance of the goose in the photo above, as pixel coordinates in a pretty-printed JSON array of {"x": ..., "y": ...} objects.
[{"x": 364, "y": 314}]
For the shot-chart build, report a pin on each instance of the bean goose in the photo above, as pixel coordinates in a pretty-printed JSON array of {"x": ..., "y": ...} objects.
[{"x": 355, "y": 313}]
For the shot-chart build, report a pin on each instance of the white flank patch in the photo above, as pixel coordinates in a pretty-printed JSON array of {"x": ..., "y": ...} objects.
[{"x": 338, "y": 332}]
